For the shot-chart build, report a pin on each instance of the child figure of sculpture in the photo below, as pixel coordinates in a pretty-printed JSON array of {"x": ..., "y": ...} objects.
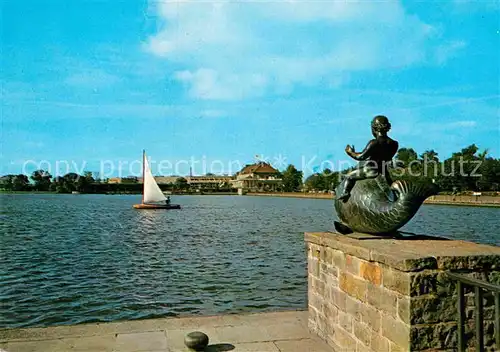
[
  {"x": 374, "y": 158},
  {"x": 368, "y": 201}
]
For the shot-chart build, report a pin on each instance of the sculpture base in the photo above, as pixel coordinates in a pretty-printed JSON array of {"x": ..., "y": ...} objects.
[{"x": 368, "y": 292}]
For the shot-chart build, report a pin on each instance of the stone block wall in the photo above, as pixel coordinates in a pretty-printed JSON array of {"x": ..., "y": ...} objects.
[{"x": 387, "y": 295}]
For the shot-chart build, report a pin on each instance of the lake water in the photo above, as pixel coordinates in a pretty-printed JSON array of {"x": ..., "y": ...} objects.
[{"x": 68, "y": 259}]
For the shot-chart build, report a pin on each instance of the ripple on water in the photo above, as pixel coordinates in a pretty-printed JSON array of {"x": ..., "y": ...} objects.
[{"x": 79, "y": 259}]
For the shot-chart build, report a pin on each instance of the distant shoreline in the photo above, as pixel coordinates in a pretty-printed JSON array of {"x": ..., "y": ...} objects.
[
  {"x": 481, "y": 201},
  {"x": 462, "y": 200}
]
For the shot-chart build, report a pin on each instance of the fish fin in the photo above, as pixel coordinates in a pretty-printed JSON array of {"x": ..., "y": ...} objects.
[{"x": 343, "y": 229}]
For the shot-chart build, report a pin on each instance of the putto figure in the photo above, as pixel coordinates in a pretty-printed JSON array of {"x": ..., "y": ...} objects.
[
  {"x": 374, "y": 159},
  {"x": 368, "y": 201}
]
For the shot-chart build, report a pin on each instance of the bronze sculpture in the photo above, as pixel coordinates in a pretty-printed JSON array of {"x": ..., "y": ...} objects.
[{"x": 368, "y": 200}]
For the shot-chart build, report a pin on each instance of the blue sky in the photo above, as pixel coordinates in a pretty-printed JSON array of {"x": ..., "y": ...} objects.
[{"x": 88, "y": 82}]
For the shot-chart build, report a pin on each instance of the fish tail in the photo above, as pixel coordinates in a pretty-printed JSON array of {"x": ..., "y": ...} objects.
[{"x": 416, "y": 189}]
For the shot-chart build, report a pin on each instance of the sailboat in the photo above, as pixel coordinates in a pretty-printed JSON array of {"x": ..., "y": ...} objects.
[{"x": 152, "y": 196}]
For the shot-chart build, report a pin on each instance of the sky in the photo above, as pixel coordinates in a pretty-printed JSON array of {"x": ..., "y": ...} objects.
[{"x": 213, "y": 85}]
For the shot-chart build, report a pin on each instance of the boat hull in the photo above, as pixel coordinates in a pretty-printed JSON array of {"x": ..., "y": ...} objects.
[{"x": 157, "y": 206}]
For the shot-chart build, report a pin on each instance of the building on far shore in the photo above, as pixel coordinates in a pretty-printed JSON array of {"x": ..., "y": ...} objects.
[
  {"x": 259, "y": 177},
  {"x": 164, "y": 180},
  {"x": 209, "y": 182}
]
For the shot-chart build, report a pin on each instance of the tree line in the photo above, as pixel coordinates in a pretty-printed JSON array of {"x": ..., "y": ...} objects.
[
  {"x": 43, "y": 181},
  {"x": 466, "y": 170}
]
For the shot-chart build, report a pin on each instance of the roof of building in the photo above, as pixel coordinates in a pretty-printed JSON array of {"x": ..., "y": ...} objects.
[{"x": 259, "y": 168}]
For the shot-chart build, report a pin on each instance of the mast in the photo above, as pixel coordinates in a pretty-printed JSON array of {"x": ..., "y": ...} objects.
[{"x": 143, "y": 178}]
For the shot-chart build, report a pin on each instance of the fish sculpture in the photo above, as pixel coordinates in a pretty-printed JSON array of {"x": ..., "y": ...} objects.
[
  {"x": 375, "y": 207},
  {"x": 367, "y": 200}
]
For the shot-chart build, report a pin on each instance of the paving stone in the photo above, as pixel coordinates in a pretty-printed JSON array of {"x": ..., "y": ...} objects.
[
  {"x": 243, "y": 347},
  {"x": 55, "y": 345},
  {"x": 141, "y": 341},
  {"x": 249, "y": 347},
  {"x": 91, "y": 343},
  {"x": 287, "y": 331},
  {"x": 303, "y": 345}
]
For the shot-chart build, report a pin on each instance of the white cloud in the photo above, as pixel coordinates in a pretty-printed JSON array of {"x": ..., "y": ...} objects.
[
  {"x": 211, "y": 84},
  {"x": 232, "y": 50}
]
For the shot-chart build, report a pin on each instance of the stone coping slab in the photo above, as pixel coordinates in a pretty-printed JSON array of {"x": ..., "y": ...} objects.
[
  {"x": 411, "y": 253},
  {"x": 285, "y": 331}
]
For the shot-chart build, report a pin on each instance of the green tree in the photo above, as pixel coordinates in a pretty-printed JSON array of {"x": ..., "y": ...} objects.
[
  {"x": 181, "y": 184},
  {"x": 333, "y": 180},
  {"x": 490, "y": 175},
  {"x": 292, "y": 179},
  {"x": 429, "y": 164},
  {"x": 41, "y": 180},
  {"x": 316, "y": 182},
  {"x": 429, "y": 155},
  {"x": 463, "y": 170},
  {"x": 20, "y": 183},
  {"x": 67, "y": 183},
  {"x": 406, "y": 156},
  {"x": 89, "y": 176},
  {"x": 7, "y": 182}
]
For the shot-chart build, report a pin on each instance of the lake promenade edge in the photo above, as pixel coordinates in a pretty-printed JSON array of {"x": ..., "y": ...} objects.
[{"x": 285, "y": 331}]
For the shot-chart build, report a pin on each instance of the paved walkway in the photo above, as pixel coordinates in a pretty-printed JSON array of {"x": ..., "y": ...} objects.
[{"x": 262, "y": 332}]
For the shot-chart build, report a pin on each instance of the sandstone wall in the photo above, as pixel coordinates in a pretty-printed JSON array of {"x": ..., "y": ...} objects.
[{"x": 372, "y": 294}]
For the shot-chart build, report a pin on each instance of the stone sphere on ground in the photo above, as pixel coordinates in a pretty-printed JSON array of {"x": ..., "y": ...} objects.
[{"x": 196, "y": 340}]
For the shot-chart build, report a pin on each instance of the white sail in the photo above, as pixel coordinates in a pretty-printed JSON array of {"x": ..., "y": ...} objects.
[{"x": 152, "y": 193}]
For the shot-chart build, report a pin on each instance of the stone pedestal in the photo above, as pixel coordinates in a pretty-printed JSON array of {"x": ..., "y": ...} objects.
[{"x": 368, "y": 293}]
